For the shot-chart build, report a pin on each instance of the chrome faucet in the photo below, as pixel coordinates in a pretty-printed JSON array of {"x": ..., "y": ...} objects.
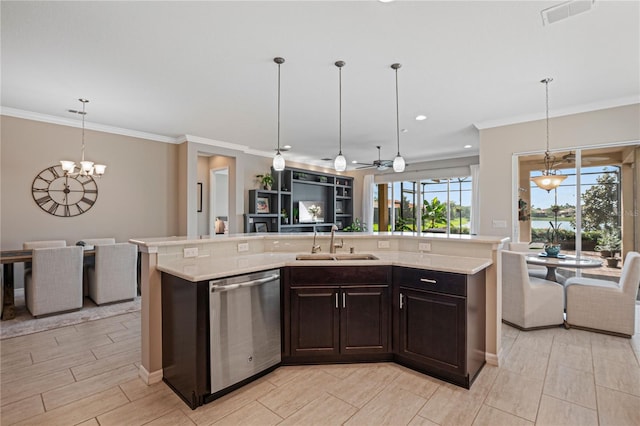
[
  {"x": 315, "y": 247},
  {"x": 332, "y": 245}
]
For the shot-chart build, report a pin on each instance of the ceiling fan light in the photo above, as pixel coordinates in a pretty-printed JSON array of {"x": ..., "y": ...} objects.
[
  {"x": 278, "y": 162},
  {"x": 340, "y": 163},
  {"x": 398, "y": 164}
]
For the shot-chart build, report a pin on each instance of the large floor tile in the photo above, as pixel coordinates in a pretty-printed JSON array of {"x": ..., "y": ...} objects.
[
  {"x": 254, "y": 414},
  {"x": 612, "y": 375},
  {"x": 71, "y": 392},
  {"x": 82, "y": 409},
  {"x": 175, "y": 418},
  {"x": 524, "y": 361},
  {"x": 451, "y": 405},
  {"x": 327, "y": 410},
  {"x": 577, "y": 357},
  {"x": 20, "y": 410},
  {"x": 95, "y": 366},
  {"x": 489, "y": 416},
  {"x": 364, "y": 384},
  {"x": 21, "y": 389},
  {"x": 226, "y": 405},
  {"x": 392, "y": 406},
  {"x": 571, "y": 385},
  {"x": 553, "y": 412},
  {"x": 617, "y": 408},
  {"x": 516, "y": 394},
  {"x": 143, "y": 410}
]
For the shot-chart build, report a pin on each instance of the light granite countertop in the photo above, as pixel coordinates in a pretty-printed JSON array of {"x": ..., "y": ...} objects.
[{"x": 207, "y": 267}]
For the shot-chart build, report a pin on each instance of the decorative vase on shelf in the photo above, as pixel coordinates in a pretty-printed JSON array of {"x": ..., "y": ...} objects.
[{"x": 552, "y": 250}]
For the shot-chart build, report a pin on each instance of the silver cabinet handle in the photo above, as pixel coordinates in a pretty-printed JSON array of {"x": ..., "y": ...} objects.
[
  {"x": 401, "y": 297},
  {"x": 427, "y": 280},
  {"x": 344, "y": 301},
  {"x": 337, "y": 301}
]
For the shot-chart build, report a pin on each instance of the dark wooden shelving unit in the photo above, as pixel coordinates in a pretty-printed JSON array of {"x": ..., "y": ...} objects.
[{"x": 293, "y": 186}]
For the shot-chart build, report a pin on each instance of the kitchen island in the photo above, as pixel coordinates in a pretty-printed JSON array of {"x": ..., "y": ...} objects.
[{"x": 223, "y": 256}]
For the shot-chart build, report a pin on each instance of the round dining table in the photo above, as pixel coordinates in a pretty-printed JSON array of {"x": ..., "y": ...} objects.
[{"x": 561, "y": 261}]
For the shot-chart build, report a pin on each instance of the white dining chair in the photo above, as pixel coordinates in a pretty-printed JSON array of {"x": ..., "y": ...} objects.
[
  {"x": 603, "y": 305},
  {"x": 54, "y": 282},
  {"x": 529, "y": 302},
  {"x": 113, "y": 277}
]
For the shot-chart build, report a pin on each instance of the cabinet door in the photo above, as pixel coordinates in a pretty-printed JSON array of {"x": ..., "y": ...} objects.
[
  {"x": 315, "y": 317},
  {"x": 364, "y": 320},
  {"x": 432, "y": 329}
]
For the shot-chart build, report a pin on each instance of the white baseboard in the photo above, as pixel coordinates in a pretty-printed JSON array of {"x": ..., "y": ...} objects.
[
  {"x": 150, "y": 378},
  {"x": 492, "y": 359}
]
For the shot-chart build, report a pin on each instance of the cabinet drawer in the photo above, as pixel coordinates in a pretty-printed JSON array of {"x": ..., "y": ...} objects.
[
  {"x": 436, "y": 281},
  {"x": 336, "y": 275}
]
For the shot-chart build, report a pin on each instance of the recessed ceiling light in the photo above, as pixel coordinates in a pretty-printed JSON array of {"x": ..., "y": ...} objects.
[
  {"x": 421, "y": 117},
  {"x": 355, "y": 161},
  {"x": 287, "y": 147},
  {"x": 385, "y": 1},
  {"x": 467, "y": 146}
]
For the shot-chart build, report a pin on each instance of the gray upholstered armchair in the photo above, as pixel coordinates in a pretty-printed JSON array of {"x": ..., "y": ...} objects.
[
  {"x": 603, "y": 305},
  {"x": 113, "y": 276},
  {"x": 54, "y": 282},
  {"x": 529, "y": 302}
]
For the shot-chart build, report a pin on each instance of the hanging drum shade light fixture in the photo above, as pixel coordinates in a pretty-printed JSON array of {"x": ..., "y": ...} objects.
[
  {"x": 278, "y": 160},
  {"x": 340, "y": 163},
  {"x": 398, "y": 162},
  {"x": 550, "y": 178}
]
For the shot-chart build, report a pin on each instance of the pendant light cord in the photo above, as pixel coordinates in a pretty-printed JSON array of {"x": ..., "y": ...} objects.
[
  {"x": 397, "y": 114},
  {"x": 278, "y": 108},
  {"x": 340, "y": 110},
  {"x": 546, "y": 86},
  {"x": 84, "y": 103}
]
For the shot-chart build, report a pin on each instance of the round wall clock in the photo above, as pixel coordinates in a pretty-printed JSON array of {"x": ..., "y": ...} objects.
[{"x": 62, "y": 195}]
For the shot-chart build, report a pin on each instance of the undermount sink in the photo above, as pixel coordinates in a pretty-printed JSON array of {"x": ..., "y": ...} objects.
[{"x": 341, "y": 256}]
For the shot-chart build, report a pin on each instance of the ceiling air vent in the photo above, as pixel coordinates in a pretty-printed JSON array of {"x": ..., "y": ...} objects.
[{"x": 566, "y": 10}]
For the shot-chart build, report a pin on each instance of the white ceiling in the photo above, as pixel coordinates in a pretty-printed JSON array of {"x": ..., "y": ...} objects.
[{"x": 206, "y": 69}]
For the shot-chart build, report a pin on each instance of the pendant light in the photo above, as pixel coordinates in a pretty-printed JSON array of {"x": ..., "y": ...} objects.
[
  {"x": 340, "y": 163},
  {"x": 550, "y": 179},
  {"x": 278, "y": 160},
  {"x": 398, "y": 162},
  {"x": 87, "y": 168}
]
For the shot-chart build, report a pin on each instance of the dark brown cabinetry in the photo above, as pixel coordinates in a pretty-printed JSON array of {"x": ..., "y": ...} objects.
[
  {"x": 439, "y": 323},
  {"x": 337, "y": 313}
]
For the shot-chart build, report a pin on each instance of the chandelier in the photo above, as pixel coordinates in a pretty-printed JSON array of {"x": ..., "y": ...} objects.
[
  {"x": 550, "y": 178},
  {"x": 87, "y": 168}
]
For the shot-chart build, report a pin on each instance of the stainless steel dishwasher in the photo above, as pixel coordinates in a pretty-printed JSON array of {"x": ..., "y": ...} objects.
[{"x": 245, "y": 327}]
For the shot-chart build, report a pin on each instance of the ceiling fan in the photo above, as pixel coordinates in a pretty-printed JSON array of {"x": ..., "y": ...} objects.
[
  {"x": 378, "y": 164},
  {"x": 570, "y": 158}
]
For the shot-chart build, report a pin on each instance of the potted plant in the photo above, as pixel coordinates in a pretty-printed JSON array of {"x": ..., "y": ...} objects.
[
  {"x": 295, "y": 215},
  {"x": 266, "y": 180},
  {"x": 552, "y": 246},
  {"x": 608, "y": 245},
  {"x": 356, "y": 226},
  {"x": 285, "y": 217}
]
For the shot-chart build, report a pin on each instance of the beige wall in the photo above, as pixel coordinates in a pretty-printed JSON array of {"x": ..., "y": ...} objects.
[
  {"x": 497, "y": 146},
  {"x": 136, "y": 198}
]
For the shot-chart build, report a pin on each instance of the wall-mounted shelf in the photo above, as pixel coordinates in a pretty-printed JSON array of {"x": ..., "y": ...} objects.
[{"x": 291, "y": 189}]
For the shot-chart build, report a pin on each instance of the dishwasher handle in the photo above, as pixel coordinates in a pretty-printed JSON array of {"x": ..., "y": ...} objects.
[{"x": 219, "y": 288}]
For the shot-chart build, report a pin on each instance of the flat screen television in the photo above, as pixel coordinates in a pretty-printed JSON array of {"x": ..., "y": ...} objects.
[{"x": 311, "y": 211}]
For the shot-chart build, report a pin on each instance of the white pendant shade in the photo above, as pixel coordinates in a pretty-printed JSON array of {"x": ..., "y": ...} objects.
[
  {"x": 278, "y": 162},
  {"x": 87, "y": 168},
  {"x": 398, "y": 164},
  {"x": 340, "y": 163},
  {"x": 548, "y": 182}
]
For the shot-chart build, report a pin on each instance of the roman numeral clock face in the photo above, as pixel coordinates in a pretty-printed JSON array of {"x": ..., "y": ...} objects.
[{"x": 61, "y": 195}]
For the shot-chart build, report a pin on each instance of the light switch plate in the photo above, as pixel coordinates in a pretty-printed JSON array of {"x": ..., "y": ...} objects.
[
  {"x": 383, "y": 244},
  {"x": 499, "y": 223},
  {"x": 424, "y": 246},
  {"x": 191, "y": 252},
  {"x": 243, "y": 247}
]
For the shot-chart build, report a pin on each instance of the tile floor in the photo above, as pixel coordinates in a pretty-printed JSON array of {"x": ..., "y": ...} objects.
[{"x": 87, "y": 375}]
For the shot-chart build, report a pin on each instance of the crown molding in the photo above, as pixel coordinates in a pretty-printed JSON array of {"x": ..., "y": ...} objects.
[
  {"x": 52, "y": 119},
  {"x": 577, "y": 109}
]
